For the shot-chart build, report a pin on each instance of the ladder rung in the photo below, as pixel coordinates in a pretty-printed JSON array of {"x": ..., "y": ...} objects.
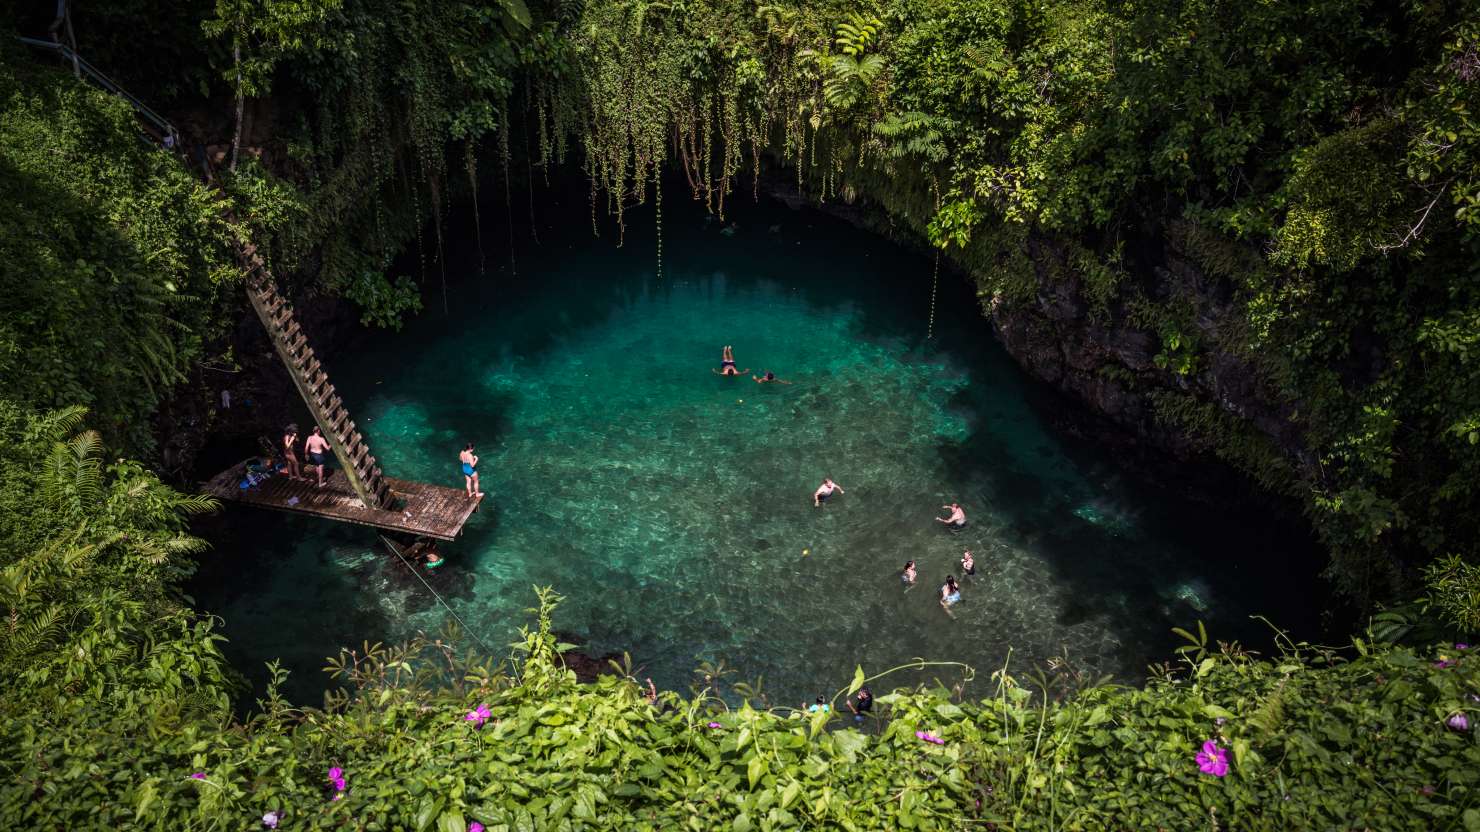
[
  {"x": 292, "y": 329},
  {"x": 336, "y": 417},
  {"x": 355, "y": 458}
]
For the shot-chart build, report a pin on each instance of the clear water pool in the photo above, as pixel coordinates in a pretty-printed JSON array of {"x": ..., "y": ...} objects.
[{"x": 672, "y": 507}]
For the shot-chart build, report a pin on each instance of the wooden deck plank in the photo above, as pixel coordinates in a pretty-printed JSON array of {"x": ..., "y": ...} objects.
[{"x": 435, "y": 511}]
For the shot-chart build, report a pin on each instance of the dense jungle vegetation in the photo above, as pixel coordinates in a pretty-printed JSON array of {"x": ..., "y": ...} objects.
[{"x": 1282, "y": 199}]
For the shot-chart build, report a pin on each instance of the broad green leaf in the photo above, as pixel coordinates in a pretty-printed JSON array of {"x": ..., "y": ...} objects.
[
  {"x": 858, "y": 678},
  {"x": 452, "y": 821},
  {"x": 755, "y": 769}
]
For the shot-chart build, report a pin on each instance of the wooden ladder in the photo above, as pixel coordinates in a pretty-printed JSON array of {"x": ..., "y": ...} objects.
[{"x": 308, "y": 375}]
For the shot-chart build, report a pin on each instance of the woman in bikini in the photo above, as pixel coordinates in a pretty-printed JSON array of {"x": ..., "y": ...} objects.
[
  {"x": 727, "y": 364},
  {"x": 290, "y": 438}
]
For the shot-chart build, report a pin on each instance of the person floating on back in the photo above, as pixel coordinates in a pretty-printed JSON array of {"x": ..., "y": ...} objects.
[
  {"x": 768, "y": 376},
  {"x": 950, "y": 592},
  {"x": 957, "y": 520},
  {"x": 826, "y": 490},
  {"x": 470, "y": 470},
  {"x": 727, "y": 364},
  {"x": 908, "y": 575},
  {"x": 290, "y": 456},
  {"x": 968, "y": 563},
  {"x": 316, "y": 446}
]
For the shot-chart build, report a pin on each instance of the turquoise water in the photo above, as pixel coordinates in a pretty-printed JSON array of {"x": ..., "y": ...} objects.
[{"x": 672, "y": 507}]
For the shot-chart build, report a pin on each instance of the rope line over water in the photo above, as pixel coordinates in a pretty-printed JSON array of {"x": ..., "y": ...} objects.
[
  {"x": 934, "y": 282},
  {"x": 417, "y": 572}
]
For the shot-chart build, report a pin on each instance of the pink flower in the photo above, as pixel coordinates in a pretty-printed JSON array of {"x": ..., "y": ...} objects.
[
  {"x": 270, "y": 820},
  {"x": 475, "y": 826},
  {"x": 478, "y": 716},
  {"x": 928, "y": 737},
  {"x": 199, "y": 775},
  {"x": 337, "y": 780},
  {"x": 715, "y": 725},
  {"x": 1212, "y": 759},
  {"x": 1459, "y": 722}
]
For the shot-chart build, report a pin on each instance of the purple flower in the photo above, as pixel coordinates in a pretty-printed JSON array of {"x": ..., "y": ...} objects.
[
  {"x": 1443, "y": 663},
  {"x": 1461, "y": 646},
  {"x": 199, "y": 775},
  {"x": 1212, "y": 759},
  {"x": 475, "y": 826},
  {"x": 478, "y": 716},
  {"x": 1219, "y": 721},
  {"x": 929, "y": 737},
  {"x": 336, "y": 779},
  {"x": 715, "y": 725},
  {"x": 270, "y": 820},
  {"x": 1459, "y": 722}
]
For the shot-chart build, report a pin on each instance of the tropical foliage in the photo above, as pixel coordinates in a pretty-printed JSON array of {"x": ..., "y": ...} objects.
[{"x": 1287, "y": 190}]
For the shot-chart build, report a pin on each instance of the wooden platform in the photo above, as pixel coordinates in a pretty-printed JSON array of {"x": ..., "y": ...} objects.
[{"x": 435, "y": 511}]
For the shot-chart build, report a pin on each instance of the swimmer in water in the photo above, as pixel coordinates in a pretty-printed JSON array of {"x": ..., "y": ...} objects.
[
  {"x": 826, "y": 490},
  {"x": 908, "y": 575},
  {"x": 727, "y": 364},
  {"x": 950, "y": 592},
  {"x": 768, "y": 376},
  {"x": 957, "y": 520},
  {"x": 968, "y": 563}
]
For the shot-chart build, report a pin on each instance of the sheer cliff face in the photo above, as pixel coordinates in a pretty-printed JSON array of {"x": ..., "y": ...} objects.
[{"x": 1111, "y": 364}]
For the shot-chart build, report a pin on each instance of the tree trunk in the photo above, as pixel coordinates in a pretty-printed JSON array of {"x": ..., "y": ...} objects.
[{"x": 241, "y": 103}]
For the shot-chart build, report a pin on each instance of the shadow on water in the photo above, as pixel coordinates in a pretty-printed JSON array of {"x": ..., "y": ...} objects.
[{"x": 669, "y": 504}]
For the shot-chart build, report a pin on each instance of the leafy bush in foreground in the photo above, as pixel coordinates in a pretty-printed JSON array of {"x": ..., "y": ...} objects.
[{"x": 427, "y": 737}]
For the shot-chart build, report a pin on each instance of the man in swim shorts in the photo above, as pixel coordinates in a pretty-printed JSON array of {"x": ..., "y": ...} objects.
[
  {"x": 469, "y": 462},
  {"x": 727, "y": 363},
  {"x": 768, "y": 376},
  {"x": 957, "y": 520},
  {"x": 316, "y": 446},
  {"x": 826, "y": 490}
]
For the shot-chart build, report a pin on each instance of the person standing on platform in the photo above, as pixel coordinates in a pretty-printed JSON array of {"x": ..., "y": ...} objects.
[
  {"x": 316, "y": 446},
  {"x": 469, "y": 462},
  {"x": 290, "y": 454}
]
